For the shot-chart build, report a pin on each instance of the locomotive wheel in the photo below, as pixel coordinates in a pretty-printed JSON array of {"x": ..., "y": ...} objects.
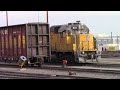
[
  {"x": 85, "y": 59},
  {"x": 39, "y": 65},
  {"x": 32, "y": 65}
]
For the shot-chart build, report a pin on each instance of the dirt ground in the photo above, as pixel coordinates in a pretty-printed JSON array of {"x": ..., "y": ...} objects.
[{"x": 106, "y": 61}]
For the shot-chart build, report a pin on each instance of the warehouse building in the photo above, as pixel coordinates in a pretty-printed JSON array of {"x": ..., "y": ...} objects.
[{"x": 106, "y": 42}]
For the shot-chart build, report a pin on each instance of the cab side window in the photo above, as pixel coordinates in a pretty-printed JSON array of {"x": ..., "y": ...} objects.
[{"x": 69, "y": 33}]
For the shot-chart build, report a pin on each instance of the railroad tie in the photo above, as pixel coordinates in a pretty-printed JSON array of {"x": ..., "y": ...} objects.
[{"x": 71, "y": 73}]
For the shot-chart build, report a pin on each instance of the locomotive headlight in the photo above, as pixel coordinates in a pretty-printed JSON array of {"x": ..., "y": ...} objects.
[
  {"x": 83, "y": 52},
  {"x": 97, "y": 52}
]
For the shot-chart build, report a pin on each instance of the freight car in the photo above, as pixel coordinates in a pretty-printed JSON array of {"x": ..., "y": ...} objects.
[
  {"x": 72, "y": 42},
  {"x": 31, "y": 40}
]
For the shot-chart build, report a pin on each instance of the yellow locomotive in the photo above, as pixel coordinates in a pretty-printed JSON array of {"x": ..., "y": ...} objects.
[{"x": 73, "y": 42}]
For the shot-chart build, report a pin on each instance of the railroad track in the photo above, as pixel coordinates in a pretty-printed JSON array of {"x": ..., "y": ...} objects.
[
  {"x": 75, "y": 64},
  {"x": 91, "y": 64},
  {"x": 21, "y": 75},
  {"x": 88, "y": 69},
  {"x": 16, "y": 75},
  {"x": 77, "y": 69}
]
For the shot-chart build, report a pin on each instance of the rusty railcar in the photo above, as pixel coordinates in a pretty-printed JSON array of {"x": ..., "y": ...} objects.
[{"x": 31, "y": 40}]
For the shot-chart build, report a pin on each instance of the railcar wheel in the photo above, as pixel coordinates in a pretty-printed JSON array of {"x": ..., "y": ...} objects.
[{"x": 98, "y": 58}]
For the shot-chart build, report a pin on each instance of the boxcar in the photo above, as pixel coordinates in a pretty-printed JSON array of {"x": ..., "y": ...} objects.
[{"x": 31, "y": 40}]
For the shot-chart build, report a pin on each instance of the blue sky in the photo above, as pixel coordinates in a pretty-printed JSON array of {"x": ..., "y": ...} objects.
[{"x": 99, "y": 22}]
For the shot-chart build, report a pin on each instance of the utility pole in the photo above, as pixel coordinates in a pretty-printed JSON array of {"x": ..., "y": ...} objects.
[
  {"x": 38, "y": 16},
  {"x": 7, "y": 18},
  {"x": 117, "y": 40},
  {"x": 8, "y": 36},
  {"x": 111, "y": 38},
  {"x": 47, "y": 16}
]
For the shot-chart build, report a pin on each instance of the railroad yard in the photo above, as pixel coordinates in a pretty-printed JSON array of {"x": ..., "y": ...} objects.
[
  {"x": 42, "y": 50},
  {"x": 106, "y": 68}
]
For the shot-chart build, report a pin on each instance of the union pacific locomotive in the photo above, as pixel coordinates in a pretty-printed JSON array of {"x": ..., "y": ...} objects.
[{"x": 73, "y": 42}]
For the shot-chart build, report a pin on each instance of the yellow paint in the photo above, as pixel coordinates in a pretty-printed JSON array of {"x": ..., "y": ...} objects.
[
  {"x": 111, "y": 48},
  {"x": 23, "y": 40},
  {"x": 85, "y": 43},
  {"x": 10, "y": 40},
  {"x": 74, "y": 47},
  {"x": 6, "y": 42},
  {"x": 68, "y": 39},
  {"x": 67, "y": 44},
  {"x": 59, "y": 43},
  {"x": 15, "y": 42},
  {"x": 19, "y": 41},
  {"x": 2, "y": 42}
]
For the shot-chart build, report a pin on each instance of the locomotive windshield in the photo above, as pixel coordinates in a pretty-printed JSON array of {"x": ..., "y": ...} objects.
[
  {"x": 78, "y": 28},
  {"x": 74, "y": 28}
]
